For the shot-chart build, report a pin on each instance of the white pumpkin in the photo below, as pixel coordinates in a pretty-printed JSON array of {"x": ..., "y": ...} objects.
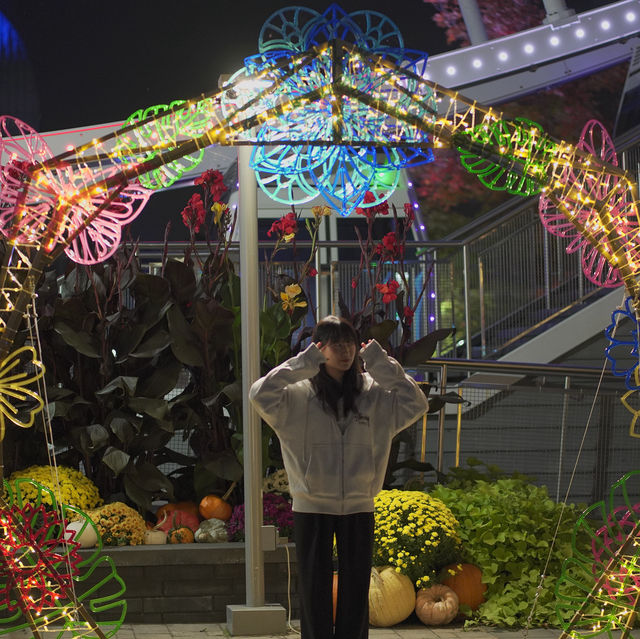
[
  {"x": 87, "y": 538},
  {"x": 392, "y": 597},
  {"x": 436, "y": 606},
  {"x": 155, "y": 536},
  {"x": 212, "y": 531}
]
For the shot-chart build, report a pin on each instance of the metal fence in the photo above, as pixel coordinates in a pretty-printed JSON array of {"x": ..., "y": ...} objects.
[
  {"x": 554, "y": 424},
  {"x": 499, "y": 280}
]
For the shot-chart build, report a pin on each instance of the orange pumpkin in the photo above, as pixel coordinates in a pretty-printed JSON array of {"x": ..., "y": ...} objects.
[
  {"x": 437, "y": 605},
  {"x": 466, "y": 582},
  {"x": 185, "y": 506},
  {"x": 182, "y": 535},
  {"x": 335, "y": 596},
  {"x": 179, "y": 519},
  {"x": 212, "y": 506}
]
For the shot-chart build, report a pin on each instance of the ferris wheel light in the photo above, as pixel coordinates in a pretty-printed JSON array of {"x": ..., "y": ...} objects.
[
  {"x": 554, "y": 41},
  {"x": 503, "y": 56},
  {"x": 451, "y": 70},
  {"x": 605, "y": 25},
  {"x": 580, "y": 33},
  {"x": 529, "y": 48},
  {"x": 477, "y": 63},
  {"x": 630, "y": 16}
]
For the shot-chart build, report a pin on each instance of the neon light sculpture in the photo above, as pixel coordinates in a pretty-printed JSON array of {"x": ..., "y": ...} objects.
[
  {"x": 345, "y": 107},
  {"x": 584, "y": 191},
  {"x": 522, "y": 138},
  {"x": 608, "y": 573},
  {"x": 42, "y": 575},
  {"x": 623, "y": 334},
  {"x": 340, "y": 172},
  {"x": 88, "y": 227},
  {"x": 147, "y": 134},
  {"x": 18, "y": 372}
]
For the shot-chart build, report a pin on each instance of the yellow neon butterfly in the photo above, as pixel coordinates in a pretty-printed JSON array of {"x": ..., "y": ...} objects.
[{"x": 19, "y": 370}]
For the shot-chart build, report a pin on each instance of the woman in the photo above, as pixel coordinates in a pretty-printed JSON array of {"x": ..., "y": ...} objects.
[{"x": 335, "y": 425}]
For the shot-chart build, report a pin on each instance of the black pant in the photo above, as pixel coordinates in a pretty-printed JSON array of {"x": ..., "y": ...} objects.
[{"x": 314, "y": 552}]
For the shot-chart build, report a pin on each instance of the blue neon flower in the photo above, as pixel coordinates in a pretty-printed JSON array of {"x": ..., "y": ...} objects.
[
  {"x": 623, "y": 334},
  {"x": 345, "y": 145}
]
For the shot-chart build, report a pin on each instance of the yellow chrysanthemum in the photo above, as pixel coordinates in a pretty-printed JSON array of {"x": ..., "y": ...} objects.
[
  {"x": 68, "y": 485},
  {"x": 415, "y": 533}
]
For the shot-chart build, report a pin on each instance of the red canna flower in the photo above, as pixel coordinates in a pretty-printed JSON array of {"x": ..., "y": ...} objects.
[
  {"x": 390, "y": 246},
  {"x": 409, "y": 213},
  {"x": 408, "y": 315},
  {"x": 388, "y": 290},
  {"x": 213, "y": 181},
  {"x": 193, "y": 214},
  {"x": 285, "y": 228},
  {"x": 369, "y": 211}
]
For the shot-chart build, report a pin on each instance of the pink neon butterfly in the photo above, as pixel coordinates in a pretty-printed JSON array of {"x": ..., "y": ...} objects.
[{"x": 48, "y": 211}]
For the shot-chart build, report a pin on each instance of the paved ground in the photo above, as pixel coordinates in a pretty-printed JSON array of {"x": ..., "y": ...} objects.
[{"x": 412, "y": 631}]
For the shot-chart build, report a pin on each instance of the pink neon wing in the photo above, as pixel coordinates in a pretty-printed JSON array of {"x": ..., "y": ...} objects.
[
  {"x": 21, "y": 147},
  {"x": 597, "y": 142},
  {"x": 100, "y": 237}
]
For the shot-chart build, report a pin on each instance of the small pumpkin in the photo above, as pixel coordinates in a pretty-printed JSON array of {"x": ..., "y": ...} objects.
[
  {"x": 179, "y": 519},
  {"x": 212, "y": 531},
  {"x": 83, "y": 532},
  {"x": 437, "y": 605},
  {"x": 334, "y": 594},
  {"x": 154, "y": 535},
  {"x": 181, "y": 535},
  {"x": 215, "y": 507},
  {"x": 184, "y": 506},
  {"x": 392, "y": 597},
  {"x": 466, "y": 581}
]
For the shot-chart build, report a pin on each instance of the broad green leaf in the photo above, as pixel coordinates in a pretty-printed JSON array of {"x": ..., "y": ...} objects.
[
  {"x": 120, "y": 386},
  {"x": 89, "y": 439},
  {"x": 157, "y": 408},
  {"x": 81, "y": 341},
  {"x": 153, "y": 345},
  {"x": 116, "y": 459},
  {"x": 423, "y": 349},
  {"x": 184, "y": 343}
]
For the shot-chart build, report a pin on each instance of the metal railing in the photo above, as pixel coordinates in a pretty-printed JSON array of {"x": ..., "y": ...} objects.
[
  {"x": 563, "y": 426},
  {"x": 498, "y": 280}
]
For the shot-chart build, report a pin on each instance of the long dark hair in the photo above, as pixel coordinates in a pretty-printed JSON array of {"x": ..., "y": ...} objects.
[{"x": 329, "y": 391}]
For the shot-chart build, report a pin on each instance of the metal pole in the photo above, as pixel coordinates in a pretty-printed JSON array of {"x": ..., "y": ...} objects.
[
  {"x": 467, "y": 303},
  {"x": 563, "y": 430},
  {"x": 252, "y": 441},
  {"x": 556, "y": 11},
  {"x": 473, "y": 21},
  {"x": 441, "y": 418},
  {"x": 546, "y": 271},
  {"x": 483, "y": 319}
]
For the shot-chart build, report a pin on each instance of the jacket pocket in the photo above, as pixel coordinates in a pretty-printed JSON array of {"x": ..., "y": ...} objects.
[
  {"x": 359, "y": 466},
  {"x": 323, "y": 471}
]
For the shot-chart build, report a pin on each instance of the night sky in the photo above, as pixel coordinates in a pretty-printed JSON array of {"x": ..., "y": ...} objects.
[
  {"x": 96, "y": 62},
  {"x": 100, "y": 62}
]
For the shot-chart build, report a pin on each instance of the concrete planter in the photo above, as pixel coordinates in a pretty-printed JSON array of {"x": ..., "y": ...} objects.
[{"x": 192, "y": 583}]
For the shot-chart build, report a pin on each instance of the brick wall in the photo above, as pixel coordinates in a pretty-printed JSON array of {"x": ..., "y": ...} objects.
[{"x": 193, "y": 582}]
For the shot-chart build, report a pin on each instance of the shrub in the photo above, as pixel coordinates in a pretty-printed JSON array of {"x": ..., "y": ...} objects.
[
  {"x": 69, "y": 486},
  {"x": 276, "y": 512},
  {"x": 118, "y": 524},
  {"x": 415, "y": 533},
  {"x": 507, "y": 528}
]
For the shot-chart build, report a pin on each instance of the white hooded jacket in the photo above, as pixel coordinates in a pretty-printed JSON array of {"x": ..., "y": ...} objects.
[{"x": 335, "y": 471}]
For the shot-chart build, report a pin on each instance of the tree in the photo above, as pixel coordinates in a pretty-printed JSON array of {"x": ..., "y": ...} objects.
[{"x": 448, "y": 196}]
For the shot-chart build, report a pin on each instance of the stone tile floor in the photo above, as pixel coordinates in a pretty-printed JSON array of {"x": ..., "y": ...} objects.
[{"x": 409, "y": 631}]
